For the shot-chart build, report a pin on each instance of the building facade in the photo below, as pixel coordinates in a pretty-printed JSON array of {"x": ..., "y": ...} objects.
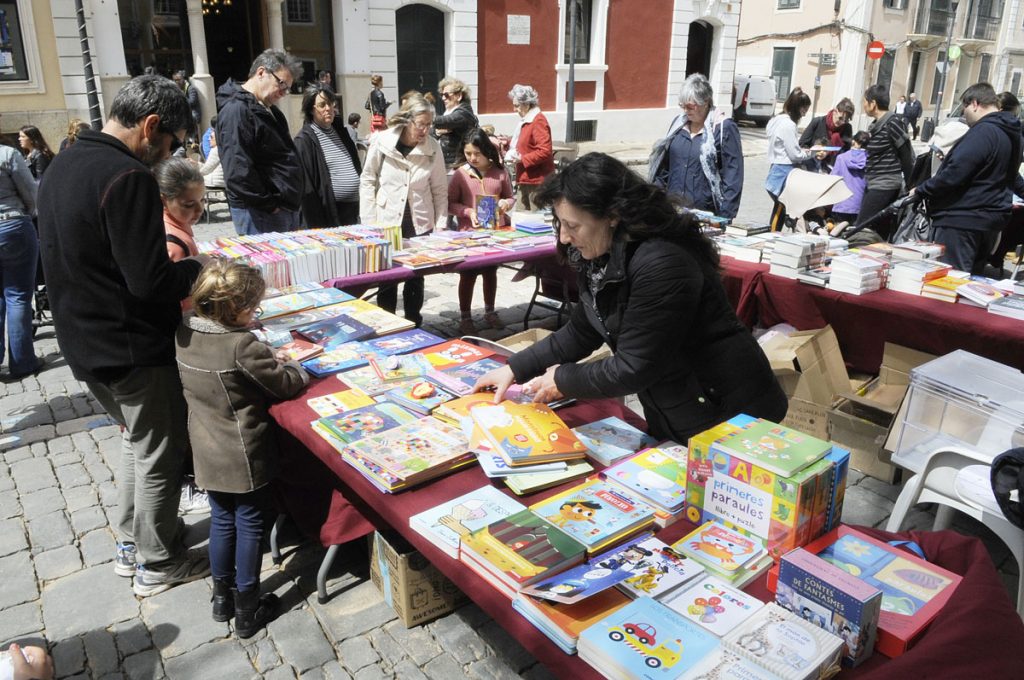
[
  {"x": 822, "y": 47},
  {"x": 630, "y": 57}
]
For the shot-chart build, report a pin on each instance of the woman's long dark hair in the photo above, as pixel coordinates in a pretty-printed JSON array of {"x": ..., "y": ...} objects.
[
  {"x": 38, "y": 143},
  {"x": 480, "y": 140},
  {"x": 606, "y": 188}
]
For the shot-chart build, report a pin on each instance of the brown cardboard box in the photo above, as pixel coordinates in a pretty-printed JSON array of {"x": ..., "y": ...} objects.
[
  {"x": 810, "y": 368},
  {"x": 862, "y": 421},
  {"x": 414, "y": 587},
  {"x": 524, "y": 339}
]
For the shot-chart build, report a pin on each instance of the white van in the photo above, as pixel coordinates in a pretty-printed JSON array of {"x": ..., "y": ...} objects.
[{"x": 753, "y": 99}]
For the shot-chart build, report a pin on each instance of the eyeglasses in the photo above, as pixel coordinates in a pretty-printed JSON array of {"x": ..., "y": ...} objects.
[
  {"x": 447, "y": 95},
  {"x": 421, "y": 126},
  {"x": 281, "y": 85}
]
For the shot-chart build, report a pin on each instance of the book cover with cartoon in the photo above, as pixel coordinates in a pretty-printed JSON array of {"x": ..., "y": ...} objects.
[
  {"x": 394, "y": 368},
  {"x": 454, "y": 353},
  {"x": 595, "y": 512},
  {"x": 599, "y": 573},
  {"x": 657, "y": 474},
  {"x": 563, "y": 623},
  {"x": 338, "y": 402},
  {"x": 421, "y": 396},
  {"x": 661, "y": 572},
  {"x": 720, "y": 548},
  {"x": 444, "y": 525},
  {"x": 775, "y": 448},
  {"x": 404, "y": 342},
  {"x": 351, "y": 426},
  {"x": 341, "y": 358},
  {"x": 487, "y": 214},
  {"x": 611, "y": 439},
  {"x": 714, "y": 605},
  {"x": 366, "y": 380},
  {"x": 469, "y": 373},
  {"x": 335, "y": 331},
  {"x": 525, "y": 433},
  {"x": 417, "y": 447}
]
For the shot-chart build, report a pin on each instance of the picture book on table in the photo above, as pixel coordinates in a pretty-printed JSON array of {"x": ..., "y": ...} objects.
[
  {"x": 775, "y": 448},
  {"x": 526, "y": 433},
  {"x": 366, "y": 380},
  {"x": 832, "y": 599},
  {"x": 645, "y": 639},
  {"x": 335, "y": 331},
  {"x": 521, "y": 549},
  {"x": 722, "y": 664},
  {"x": 300, "y": 350},
  {"x": 785, "y": 644},
  {"x": 322, "y": 297},
  {"x": 595, "y": 513},
  {"x": 454, "y": 353},
  {"x": 658, "y": 475},
  {"x": 420, "y": 396},
  {"x": 444, "y": 525},
  {"x": 913, "y": 590},
  {"x": 404, "y": 342},
  {"x": 339, "y": 402},
  {"x": 611, "y": 439},
  {"x": 413, "y": 452},
  {"x": 486, "y": 208},
  {"x": 376, "y": 318},
  {"x": 719, "y": 548},
  {"x": 291, "y": 290},
  {"x": 537, "y": 481},
  {"x": 495, "y": 466},
  {"x": 563, "y": 623},
  {"x": 341, "y": 358},
  {"x": 599, "y": 573},
  {"x": 284, "y": 305},
  {"x": 353, "y": 425},
  {"x": 660, "y": 572},
  {"x": 304, "y": 318},
  {"x": 469, "y": 373},
  {"x": 714, "y": 605},
  {"x": 394, "y": 368}
]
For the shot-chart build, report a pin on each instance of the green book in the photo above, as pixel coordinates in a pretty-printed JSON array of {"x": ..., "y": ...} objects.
[{"x": 775, "y": 448}]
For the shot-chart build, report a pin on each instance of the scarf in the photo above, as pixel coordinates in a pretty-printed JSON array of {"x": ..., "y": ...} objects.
[
  {"x": 709, "y": 157},
  {"x": 834, "y": 136}
]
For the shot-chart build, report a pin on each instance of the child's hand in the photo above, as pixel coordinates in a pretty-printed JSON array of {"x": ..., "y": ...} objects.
[
  {"x": 282, "y": 357},
  {"x": 504, "y": 205}
]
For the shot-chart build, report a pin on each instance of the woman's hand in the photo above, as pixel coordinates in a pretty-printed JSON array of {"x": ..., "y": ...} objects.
[
  {"x": 543, "y": 387},
  {"x": 500, "y": 379}
]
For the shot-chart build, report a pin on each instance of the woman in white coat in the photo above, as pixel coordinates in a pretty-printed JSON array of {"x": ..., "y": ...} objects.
[{"x": 404, "y": 182}]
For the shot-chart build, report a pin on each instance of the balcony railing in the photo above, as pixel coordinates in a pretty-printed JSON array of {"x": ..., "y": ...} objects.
[
  {"x": 982, "y": 26},
  {"x": 933, "y": 18}
]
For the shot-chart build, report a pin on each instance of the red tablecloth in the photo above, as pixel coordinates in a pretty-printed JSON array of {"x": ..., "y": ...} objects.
[
  {"x": 978, "y": 633},
  {"x": 864, "y": 323}
]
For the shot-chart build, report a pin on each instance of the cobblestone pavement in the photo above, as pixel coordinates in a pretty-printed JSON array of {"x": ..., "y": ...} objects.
[{"x": 57, "y": 453}]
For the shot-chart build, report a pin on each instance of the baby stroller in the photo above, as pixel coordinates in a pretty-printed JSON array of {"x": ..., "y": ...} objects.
[{"x": 806, "y": 194}]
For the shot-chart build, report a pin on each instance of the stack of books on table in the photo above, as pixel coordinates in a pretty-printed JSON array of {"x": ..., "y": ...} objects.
[
  {"x": 361, "y": 311},
  {"x": 533, "y": 227},
  {"x": 1011, "y": 306},
  {"x": 657, "y": 476},
  {"x": 444, "y": 525},
  {"x": 857, "y": 274},
  {"x": 979, "y": 292},
  {"x": 756, "y": 248},
  {"x": 797, "y": 253},
  {"x": 525, "y": 433},
  {"x": 354, "y": 424},
  {"x": 727, "y": 553},
  {"x": 283, "y": 305},
  {"x": 917, "y": 250},
  {"x": 910, "y": 276},
  {"x": 943, "y": 288},
  {"x": 611, "y": 439},
  {"x": 747, "y": 229},
  {"x": 563, "y": 623}
]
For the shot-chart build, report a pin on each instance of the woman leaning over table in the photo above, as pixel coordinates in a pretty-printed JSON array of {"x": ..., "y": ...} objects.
[
  {"x": 530, "y": 148},
  {"x": 329, "y": 161},
  {"x": 404, "y": 182},
  {"x": 650, "y": 288},
  {"x": 701, "y": 158}
]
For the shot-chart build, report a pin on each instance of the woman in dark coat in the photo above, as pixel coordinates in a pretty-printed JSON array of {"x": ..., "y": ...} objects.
[
  {"x": 457, "y": 120},
  {"x": 329, "y": 162},
  {"x": 650, "y": 288}
]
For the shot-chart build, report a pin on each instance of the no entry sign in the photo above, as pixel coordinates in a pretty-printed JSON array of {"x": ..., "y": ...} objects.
[{"x": 876, "y": 50}]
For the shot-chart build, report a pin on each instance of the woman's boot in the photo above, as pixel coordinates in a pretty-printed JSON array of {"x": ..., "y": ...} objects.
[
  {"x": 252, "y": 612},
  {"x": 223, "y": 600}
]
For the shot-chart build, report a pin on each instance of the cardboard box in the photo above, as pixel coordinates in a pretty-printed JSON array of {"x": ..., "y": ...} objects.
[
  {"x": 524, "y": 339},
  {"x": 811, "y": 370},
  {"x": 862, "y": 420},
  {"x": 414, "y": 587}
]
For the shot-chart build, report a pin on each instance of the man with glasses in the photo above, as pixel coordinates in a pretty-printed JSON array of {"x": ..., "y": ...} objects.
[
  {"x": 833, "y": 126},
  {"x": 116, "y": 300},
  {"x": 262, "y": 173}
]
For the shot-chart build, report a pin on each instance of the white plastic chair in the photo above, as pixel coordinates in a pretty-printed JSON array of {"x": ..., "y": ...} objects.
[{"x": 958, "y": 479}]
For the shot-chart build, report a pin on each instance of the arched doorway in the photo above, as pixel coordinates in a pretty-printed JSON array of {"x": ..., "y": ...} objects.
[
  {"x": 419, "y": 34},
  {"x": 698, "y": 48}
]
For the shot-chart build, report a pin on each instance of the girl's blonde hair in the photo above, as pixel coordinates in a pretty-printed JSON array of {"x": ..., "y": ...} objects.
[{"x": 225, "y": 289}]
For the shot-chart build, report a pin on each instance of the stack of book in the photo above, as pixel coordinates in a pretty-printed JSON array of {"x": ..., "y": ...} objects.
[
  {"x": 563, "y": 623},
  {"x": 769, "y": 640},
  {"x": 910, "y": 276},
  {"x": 755, "y": 248},
  {"x": 714, "y": 605},
  {"x": 526, "y": 433},
  {"x": 730, "y": 555},
  {"x": 943, "y": 288},
  {"x": 1011, "y": 306},
  {"x": 444, "y": 525},
  {"x": 596, "y": 513},
  {"x": 534, "y": 227},
  {"x": 816, "y": 276},
  {"x": 857, "y": 274},
  {"x": 538, "y": 481},
  {"x": 917, "y": 250},
  {"x": 657, "y": 476},
  {"x": 611, "y": 439},
  {"x": 797, "y": 253},
  {"x": 978, "y": 293},
  {"x": 747, "y": 229},
  {"x": 355, "y": 424}
]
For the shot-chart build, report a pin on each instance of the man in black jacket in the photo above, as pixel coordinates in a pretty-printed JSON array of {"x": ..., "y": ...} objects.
[
  {"x": 969, "y": 198},
  {"x": 913, "y": 112},
  {"x": 116, "y": 300},
  {"x": 261, "y": 170}
]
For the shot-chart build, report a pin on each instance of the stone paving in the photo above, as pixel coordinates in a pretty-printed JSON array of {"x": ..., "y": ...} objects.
[{"x": 57, "y": 453}]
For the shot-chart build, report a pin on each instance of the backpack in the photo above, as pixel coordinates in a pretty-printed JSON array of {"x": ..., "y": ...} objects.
[{"x": 1008, "y": 484}]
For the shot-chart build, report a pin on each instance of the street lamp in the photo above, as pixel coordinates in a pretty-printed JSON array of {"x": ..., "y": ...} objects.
[{"x": 945, "y": 71}]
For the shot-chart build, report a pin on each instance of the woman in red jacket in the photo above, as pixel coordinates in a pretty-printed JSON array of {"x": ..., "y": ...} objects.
[{"x": 530, "y": 148}]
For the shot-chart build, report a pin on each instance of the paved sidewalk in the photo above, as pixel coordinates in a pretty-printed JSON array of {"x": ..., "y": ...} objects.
[{"x": 57, "y": 453}]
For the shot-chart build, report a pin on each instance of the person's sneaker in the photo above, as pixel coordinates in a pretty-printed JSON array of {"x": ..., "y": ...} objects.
[
  {"x": 124, "y": 561},
  {"x": 194, "y": 501},
  {"x": 194, "y": 565}
]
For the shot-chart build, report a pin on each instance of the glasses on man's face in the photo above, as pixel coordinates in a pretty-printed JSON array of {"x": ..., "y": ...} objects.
[{"x": 281, "y": 85}]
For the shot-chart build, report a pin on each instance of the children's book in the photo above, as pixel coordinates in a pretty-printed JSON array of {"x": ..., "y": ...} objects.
[
  {"x": 367, "y": 381},
  {"x": 524, "y": 434},
  {"x": 353, "y": 425},
  {"x": 913, "y": 590},
  {"x": 284, "y": 305},
  {"x": 339, "y": 402},
  {"x": 487, "y": 214},
  {"x": 413, "y": 452},
  {"x": 322, "y": 297},
  {"x": 660, "y": 571},
  {"x": 341, "y": 358},
  {"x": 645, "y": 639},
  {"x": 612, "y": 439},
  {"x": 335, "y": 331},
  {"x": 833, "y": 600},
  {"x": 376, "y": 318},
  {"x": 538, "y": 481},
  {"x": 599, "y": 573},
  {"x": 454, "y": 353},
  {"x": 596, "y": 513},
  {"x": 421, "y": 396},
  {"x": 293, "y": 321},
  {"x": 496, "y": 467},
  {"x": 521, "y": 549},
  {"x": 719, "y": 549},
  {"x": 400, "y": 368},
  {"x": 657, "y": 475},
  {"x": 714, "y": 605},
  {"x": 300, "y": 350},
  {"x": 721, "y": 664},
  {"x": 563, "y": 623},
  {"x": 786, "y": 645},
  {"x": 404, "y": 342},
  {"x": 471, "y": 372},
  {"x": 274, "y": 338},
  {"x": 775, "y": 448},
  {"x": 291, "y": 290},
  {"x": 444, "y": 525}
]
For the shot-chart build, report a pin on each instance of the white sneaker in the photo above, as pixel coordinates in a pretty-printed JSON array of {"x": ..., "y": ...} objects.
[
  {"x": 194, "y": 501},
  {"x": 194, "y": 564}
]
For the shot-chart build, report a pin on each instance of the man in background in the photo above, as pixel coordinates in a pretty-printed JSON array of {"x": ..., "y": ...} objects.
[{"x": 912, "y": 112}]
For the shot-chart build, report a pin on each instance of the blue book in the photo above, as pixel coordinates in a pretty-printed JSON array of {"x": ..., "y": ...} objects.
[
  {"x": 321, "y": 297},
  {"x": 487, "y": 215},
  {"x": 600, "y": 573},
  {"x": 404, "y": 342},
  {"x": 341, "y": 358},
  {"x": 336, "y": 331},
  {"x": 471, "y": 372},
  {"x": 612, "y": 439},
  {"x": 645, "y": 639}
]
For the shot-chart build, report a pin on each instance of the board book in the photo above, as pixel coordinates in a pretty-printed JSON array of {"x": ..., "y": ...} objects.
[
  {"x": 494, "y": 466},
  {"x": 714, "y": 605},
  {"x": 444, "y": 525},
  {"x": 524, "y": 434},
  {"x": 469, "y": 373},
  {"x": 785, "y": 645},
  {"x": 597, "y": 574},
  {"x": 660, "y": 571},
  {"x": 563, "y": 623},
  {"x": 335, "y": 331},
  {"x": 420, "y": 396},
  {"x": 832, "y": 599},
  {"x": 413, "y": 452},
  {"x": 404, "y": 342},
  {"x": 538, "y": 481},
  {"x": 775, "y": 448},
  {"x": 300, "y": 350},
  {"x": 366, "y": 380},
  {"x": 657, "y": 475},
  {"x": 341, "y": 358},
  {"x": 719, "y": 549},
  {"x": 596, "y": 513},
  {"x": 399, "y": 368},
  {"x": 351, "y": 426},
  {"x": 611, "y": 439},
  {"x": 453, "y": 353},
  {"x": 722, "y": 664},
  {"x": 339, "y": 402}
]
